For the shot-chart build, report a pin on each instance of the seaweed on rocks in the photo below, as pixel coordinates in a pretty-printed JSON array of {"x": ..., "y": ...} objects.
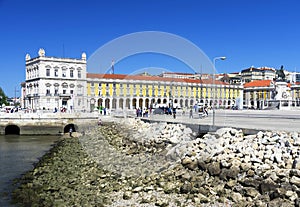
[{"x": 64, "y": 176}]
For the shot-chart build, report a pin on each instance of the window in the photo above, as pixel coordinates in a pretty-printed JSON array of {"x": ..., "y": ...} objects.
[
  {"x": 56, "y": 92},
  {"x": 56, "y": 72},
  {"x": 64, "y": 91},
  {"x": 71, "y": 92},
  {"x": 71, "y": 73},
  {"x": 64, "y": 73},
  {"x": 48, "y": 72},
  {"x": 79, "y": 74},
  {"x": 47, "y": 92},
  {"x": 79, "y": 90}
]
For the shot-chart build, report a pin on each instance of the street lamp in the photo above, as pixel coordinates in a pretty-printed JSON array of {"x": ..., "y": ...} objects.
[{"x": 214, "y": 97}]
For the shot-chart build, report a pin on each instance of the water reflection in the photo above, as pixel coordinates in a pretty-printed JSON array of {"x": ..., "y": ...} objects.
[{"x": 17, "y": 155}]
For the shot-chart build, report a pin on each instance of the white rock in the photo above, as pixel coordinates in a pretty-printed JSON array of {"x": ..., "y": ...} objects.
[
  {"x": 292, "y": 195},
  {"x": 295, "y": 180}
]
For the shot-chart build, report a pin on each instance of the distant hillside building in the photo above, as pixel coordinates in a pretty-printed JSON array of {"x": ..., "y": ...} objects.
[
  {"x": 232, "y": 78},
  {"x": 292, "y": 77},
  {"x": 178, "y": 75},
  {"x": 252, "y": 74}
]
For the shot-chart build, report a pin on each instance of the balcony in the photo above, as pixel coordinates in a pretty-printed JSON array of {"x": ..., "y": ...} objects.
[
  {"x": 32, "y": 95},
  {"x": 65, "y": 95}
]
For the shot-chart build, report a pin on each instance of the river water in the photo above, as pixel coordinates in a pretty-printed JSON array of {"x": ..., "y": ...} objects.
[{"x": 17, "y": 155}]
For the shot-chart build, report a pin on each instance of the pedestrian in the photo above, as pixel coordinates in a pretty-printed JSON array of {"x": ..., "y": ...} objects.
[
  {"x": 70, "y": 131},
  {"x": 205, "y": 110},
  {"x": 191, "y": 113},
  {"x": 99, "y": 122},
  {"x": 174, "y": 113}
]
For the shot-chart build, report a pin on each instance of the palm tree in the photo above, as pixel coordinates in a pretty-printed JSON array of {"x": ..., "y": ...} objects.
[{"x": 3, "y": 98}]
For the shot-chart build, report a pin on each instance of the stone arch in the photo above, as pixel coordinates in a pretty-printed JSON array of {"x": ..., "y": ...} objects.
[
  {"x": 140, "y": 103},
  {"x": 107, "y": 104},
  {"x": 134, "y": 103},
  {"x": 121, "y": 103},
  {"x": 186, "y": 103},
  {"x": 114, "y": 103},
  {"x": 152, "y": 102},
  {"x": 92, "y": 104},
  {"x": 100, "y": 101},
  {"x": 127, "y": 104},
  {"x": 68, "y": 126},
  {"x": 181, "y": 103},
  {"x": 12, "y": 129},
  {"x": 165, "y": 101},
  {"x": 147, "y": 103}
]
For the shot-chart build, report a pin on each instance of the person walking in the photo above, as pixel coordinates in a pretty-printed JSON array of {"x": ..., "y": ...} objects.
[
  {"x": 191, "y": 113},
  {"x": 174, "y": 113},
  {"x": 70, "y": 132}
]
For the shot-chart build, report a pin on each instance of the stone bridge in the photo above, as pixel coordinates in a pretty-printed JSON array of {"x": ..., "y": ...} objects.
[{"x": 44, "y": 123}]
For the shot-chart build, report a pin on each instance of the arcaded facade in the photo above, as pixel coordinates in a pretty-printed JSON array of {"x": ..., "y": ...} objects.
[{"x": 115, "y": 91}]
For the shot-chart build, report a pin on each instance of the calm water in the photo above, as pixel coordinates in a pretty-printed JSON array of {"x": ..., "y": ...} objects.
[{"x": 17, "y": 155}]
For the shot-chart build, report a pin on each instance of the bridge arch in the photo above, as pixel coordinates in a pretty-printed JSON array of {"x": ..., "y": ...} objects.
[
  {"x": 68, "y": 126},
  {"x": 12, "y": 129}
]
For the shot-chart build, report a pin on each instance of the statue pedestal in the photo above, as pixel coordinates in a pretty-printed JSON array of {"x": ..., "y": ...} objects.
[
  {"x": 283, "y": 95},
  {"x": 282, "y": 99}
]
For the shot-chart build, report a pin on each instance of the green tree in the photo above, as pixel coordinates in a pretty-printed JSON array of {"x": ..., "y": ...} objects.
[{"x": 3, "y": 98}]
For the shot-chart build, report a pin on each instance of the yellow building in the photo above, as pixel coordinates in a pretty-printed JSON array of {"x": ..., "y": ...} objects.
[
  {"x": 118, "y": 91},
  {"x": 263, "y": 94}
]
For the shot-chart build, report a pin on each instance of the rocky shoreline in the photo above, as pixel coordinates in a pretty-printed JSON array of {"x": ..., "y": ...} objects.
[{"x": 131, "y": 163}]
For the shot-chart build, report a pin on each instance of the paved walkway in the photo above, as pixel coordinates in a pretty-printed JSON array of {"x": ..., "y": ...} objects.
[{"x": 273, "y": 120}]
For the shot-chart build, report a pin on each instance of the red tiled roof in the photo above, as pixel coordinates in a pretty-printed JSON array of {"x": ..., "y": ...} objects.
[
  {"x": 258, "y": 83},
  {"x": 151, "y": 78},
  {"x": 178, "y": 73}
]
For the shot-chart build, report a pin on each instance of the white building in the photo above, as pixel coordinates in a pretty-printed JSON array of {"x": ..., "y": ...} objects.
[
  {"x": 263, "y": 73},
  {"x": 292, "y": 77},
  {"x": 55, "y": 83}
]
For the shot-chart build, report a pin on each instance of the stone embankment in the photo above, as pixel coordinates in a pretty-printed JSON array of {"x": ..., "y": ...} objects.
[{"x": 131, "y": 163}]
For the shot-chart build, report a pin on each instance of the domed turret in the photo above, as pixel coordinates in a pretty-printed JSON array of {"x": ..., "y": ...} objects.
[
  {"x": 27, "y": 57},
  {"x": 41, "y": 52},
  {"x": 83, "y": 56}
]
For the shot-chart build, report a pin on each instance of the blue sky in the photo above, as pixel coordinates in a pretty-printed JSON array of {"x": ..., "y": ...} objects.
[{"x": 249, "y": 33}]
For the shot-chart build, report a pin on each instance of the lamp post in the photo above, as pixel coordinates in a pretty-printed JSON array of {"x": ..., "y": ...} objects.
[{"x": 214, "y": 85}]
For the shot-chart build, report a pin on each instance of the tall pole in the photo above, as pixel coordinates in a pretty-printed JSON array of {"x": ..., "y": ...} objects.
[
  {"x": 15, "y": 101},
  {"x": 214, "y": 85}
]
